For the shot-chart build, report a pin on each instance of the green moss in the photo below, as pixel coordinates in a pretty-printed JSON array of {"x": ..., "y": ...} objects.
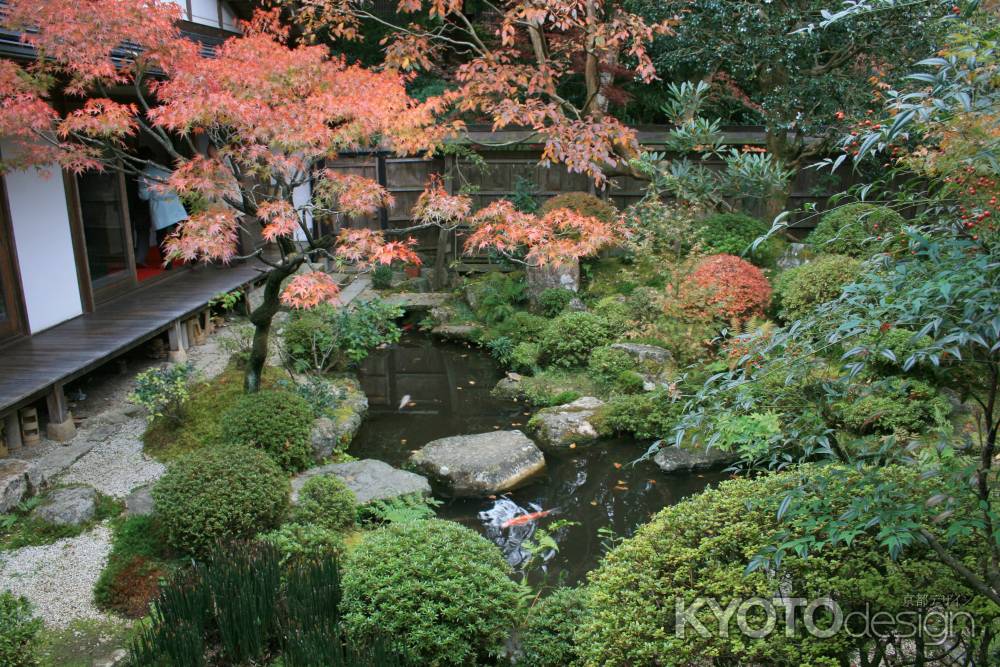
[
  {"x": 557, "y": 387},
  {"x": 83, "y": 642},
  {"x": 198, "y": 424},
  {"x": 20, "y": 529},
  {"x": 139, "y": 559}
]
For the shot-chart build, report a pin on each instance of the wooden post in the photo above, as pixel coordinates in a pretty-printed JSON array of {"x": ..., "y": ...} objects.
[
  {"x": 61, "y": 427},
  {"x": 12, "y": 432},
  {"x": 178, "y": 349}
]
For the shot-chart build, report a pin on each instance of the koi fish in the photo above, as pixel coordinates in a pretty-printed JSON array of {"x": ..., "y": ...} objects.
[
  {"x": 403, "y": 403},
  {"x": 525, "y": 518}
]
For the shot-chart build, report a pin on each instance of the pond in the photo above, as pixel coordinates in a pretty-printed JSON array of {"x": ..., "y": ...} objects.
[{"x": 422, "y": 389}]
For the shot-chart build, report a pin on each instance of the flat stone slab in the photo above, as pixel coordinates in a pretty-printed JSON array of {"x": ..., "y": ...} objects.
[
  {"x": 675, "y": 459},
  {"x": 645, "y": 353},
  {"x": 463, "y": 332},
  {"x": 482, "y": 464},
  {"x": 139, "y": 502},
  {"x": 561, "y": 426},
  {"x": 417, "y": 300},
  {"x": 70, "y": 506},
  {"x": 369, "y": 479}
]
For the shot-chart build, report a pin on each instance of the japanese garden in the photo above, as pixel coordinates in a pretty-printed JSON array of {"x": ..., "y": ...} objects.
[{"x": 549, "y": 333}]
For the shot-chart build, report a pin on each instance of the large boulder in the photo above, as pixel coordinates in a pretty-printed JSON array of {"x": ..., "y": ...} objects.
[
  {"x": 335, "y": 430},
  {"x": 645, "y": 354},
  {"x": 567, "y": 425},
  {"x": 552, "y": 276},
  {"x": 369, "y": 480},
  {"x": 70, "y": 506},
  {"x": 508, "y": 388},
  {"x": 675, "y": 459},
  {"x": 483, "y": 464}
]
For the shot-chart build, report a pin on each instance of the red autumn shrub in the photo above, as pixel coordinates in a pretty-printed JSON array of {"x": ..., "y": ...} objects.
[{"x": 725, "y": 287}]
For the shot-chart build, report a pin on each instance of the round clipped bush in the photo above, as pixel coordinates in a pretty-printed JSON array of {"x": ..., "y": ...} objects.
[
  {"x": 568, "y": 339},
  {"x": 725, "y": 287},
  {"x": 547, "y": 635},
  {"x": 583, "y": 203},
  {"x": 19, "y": 632},
  {"x": 894, "y": 405},
  {"x": 220, "y": 494},
  {"x": 700, "y": 547},
  {"x": 554, "y": 300},
  {"x": 278, "y": 422},
  {"x": 440, "y": 590},
  {"x": 326, "y": 501},
  {"x": 607, "y": 364},
  {"x": 799, "y": 290},
  {"x": 734, "y": 234},
  {"x": 297, "y": 542},
  {"x": 857, "y": 230}
]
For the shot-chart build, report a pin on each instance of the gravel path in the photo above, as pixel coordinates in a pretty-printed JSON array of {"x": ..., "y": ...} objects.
[
  {"x": 59, "y": 578},
  {"x": 117, "y": 465}
]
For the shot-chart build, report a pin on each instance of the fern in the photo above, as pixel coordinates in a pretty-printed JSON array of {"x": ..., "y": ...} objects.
[{"x": 402, "y": 509}]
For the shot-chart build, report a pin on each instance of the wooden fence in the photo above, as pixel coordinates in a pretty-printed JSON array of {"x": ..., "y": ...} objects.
[{"x": 495, "y": 176}]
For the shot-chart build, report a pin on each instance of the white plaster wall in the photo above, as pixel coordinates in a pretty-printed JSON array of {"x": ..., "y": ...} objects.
[{"x": 44, "y": 245}]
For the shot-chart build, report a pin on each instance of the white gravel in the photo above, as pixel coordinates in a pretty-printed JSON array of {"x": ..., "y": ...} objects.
[
  {"x": 59, "y": 578},
  {"x": 117, "y": 465}
]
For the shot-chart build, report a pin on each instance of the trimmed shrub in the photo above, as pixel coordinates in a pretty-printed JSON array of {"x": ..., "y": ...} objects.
[
  {"x": 647, "y": 416},
  {"x": 618, "y": 311},
  {"x": 727, "y": 288},
  {"x": 893, "y": 405},
  {"x": 522, "y": 327},
  {"x": 607, "y": 364},
  {"x": 326, "y": 501},
  {"x": 220, "y": 494},
  {"x": 554, "y": 300},
  {"x": 568, "y": 340},
  {"x": 583, "y": 203},
  {"x": 19, "y": 632},
  {"x": 734, "y": 233},
  {"x": 547, "y": 635},
  {"x": 381, "y": 276},
  {"x": 278, "y": 422},
  {"x": 856, "y": 230},
  {"x": 441, "y": 590},
  {"x": 799, "y": 290},
  {"x": 297, "y": 542},
  {"x": 327, "y": 338},
  {"x": 700, "y": 547},
  {"x": 524, "y": 356}
]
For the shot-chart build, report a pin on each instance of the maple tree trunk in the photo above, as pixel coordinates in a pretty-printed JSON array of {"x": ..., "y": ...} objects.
[{"x": 261, "y": 318}]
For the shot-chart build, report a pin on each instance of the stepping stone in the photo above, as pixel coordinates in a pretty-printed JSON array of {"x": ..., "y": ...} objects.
[
  {"x": 70, "y": 506},
  {"x": 140, "y": 501},
  {"x": 675, "y": 459},
  {"x": 483, "y": 464}
]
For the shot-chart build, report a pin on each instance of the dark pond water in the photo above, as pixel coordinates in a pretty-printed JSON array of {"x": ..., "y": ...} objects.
[{"x": 598, "y": 488}]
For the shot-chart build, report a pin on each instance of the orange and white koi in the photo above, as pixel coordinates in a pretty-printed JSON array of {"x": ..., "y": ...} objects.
[{"x": 525, "y": 518}]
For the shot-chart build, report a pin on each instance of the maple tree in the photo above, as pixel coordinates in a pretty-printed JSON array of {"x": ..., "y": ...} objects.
[
  {"x": 549, "y": 65},
  {"x": 244, "y": 130}
]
